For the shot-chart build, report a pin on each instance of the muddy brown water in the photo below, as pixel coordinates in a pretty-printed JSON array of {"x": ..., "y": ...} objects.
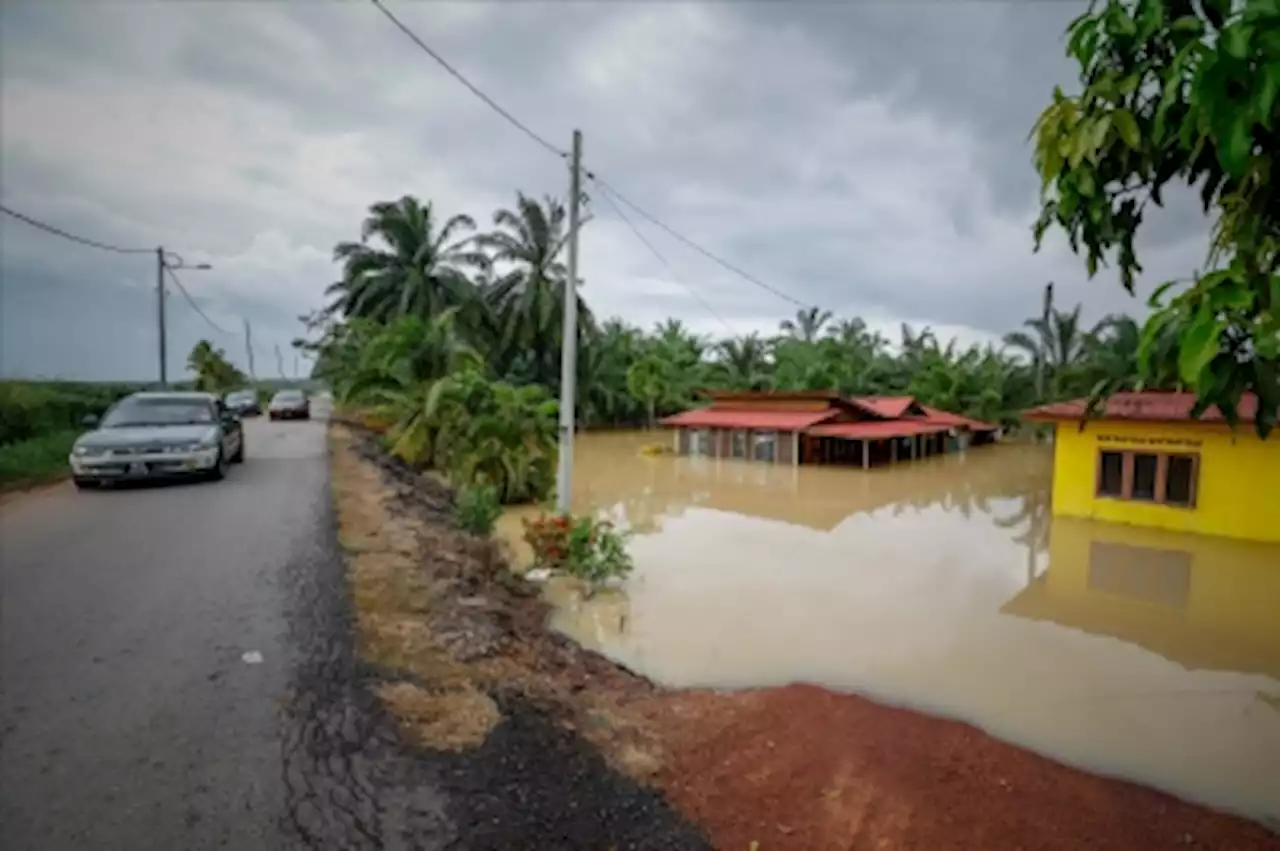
[{"x": 946, "y": 585}]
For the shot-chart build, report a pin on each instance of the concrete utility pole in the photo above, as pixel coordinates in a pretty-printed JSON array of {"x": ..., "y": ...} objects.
[
  {"x": 162, "y": 266},
  {"x": 164, "y": 372},
  {"x": 569, "y": 345},
  {"x": 248, "y": 349}
]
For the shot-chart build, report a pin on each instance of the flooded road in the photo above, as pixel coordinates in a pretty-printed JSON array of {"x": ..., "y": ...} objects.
[{"x": 945, "y": 585}]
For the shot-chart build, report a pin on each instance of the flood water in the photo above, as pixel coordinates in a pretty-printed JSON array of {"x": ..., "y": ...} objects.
[{"x": 946, "y": 585}]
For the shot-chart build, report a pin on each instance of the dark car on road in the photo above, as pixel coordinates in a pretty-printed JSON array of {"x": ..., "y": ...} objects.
[
  {"x": 289, "y": 405},
  {"x": 244, "y": 403},
  {"x": 158, "y": 435}
]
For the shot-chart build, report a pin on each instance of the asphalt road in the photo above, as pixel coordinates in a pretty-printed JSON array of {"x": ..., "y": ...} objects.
[{"x": 130, "y": 716}]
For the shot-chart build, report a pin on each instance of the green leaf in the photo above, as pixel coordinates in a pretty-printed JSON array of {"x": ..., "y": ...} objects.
[
  {"x": 1127, "y": 127},
  {"x": 1230, "y": 295},
  {"x": 1153, "y": 301},
  {"x": 1200, "y": 344},
  {"x": 1235, "y": 149},
  {"x": 1098, "y": 136},
  {"x": 1188, "y": 24},
  {"x": 1235, "y": 40},
  {"x": 1268, "y": 87}
]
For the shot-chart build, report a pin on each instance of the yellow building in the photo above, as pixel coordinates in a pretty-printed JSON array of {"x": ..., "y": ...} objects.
[{"x": 1142, "y": 460}]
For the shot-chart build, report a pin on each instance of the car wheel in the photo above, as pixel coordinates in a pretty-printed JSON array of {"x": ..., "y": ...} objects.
[
  {"x": 238, "y": 458},
  {"x": 85, "y": 484},
  {"x": 219, "y": 470}
]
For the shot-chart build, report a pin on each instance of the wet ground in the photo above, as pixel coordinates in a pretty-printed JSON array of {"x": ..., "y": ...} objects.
[{"x": 946, "y": 585}]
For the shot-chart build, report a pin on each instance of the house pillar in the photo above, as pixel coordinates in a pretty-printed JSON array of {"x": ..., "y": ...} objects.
[
  {"x": 865, "y": 457},
  {"x": 893, "y": 450}
]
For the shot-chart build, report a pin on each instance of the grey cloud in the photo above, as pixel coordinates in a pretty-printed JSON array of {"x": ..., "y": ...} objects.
[{"x": 870, "y": 157}]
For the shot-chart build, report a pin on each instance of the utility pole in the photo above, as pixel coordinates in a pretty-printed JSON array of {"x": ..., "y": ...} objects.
[
  {"x": 164, "y": 372},
  {"x": 248, "y": 349},
  {"x": 569, "y": 344}
]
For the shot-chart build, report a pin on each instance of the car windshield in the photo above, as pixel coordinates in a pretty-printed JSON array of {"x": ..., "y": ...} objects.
[
  {"x": 137, "y": 411},
  {"x": 289, "y": 396},
  {"x": 240, "y": 396}
]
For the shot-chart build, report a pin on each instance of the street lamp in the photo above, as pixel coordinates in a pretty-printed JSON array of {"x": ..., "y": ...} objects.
[{"x": 166, "y": 261}]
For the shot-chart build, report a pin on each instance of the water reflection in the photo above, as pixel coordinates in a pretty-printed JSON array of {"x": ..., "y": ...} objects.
[{"x": 947, "y": 586}]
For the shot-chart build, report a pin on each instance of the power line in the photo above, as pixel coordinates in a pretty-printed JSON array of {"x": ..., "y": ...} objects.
[
  {"x": 56, "y": 231},
  {"x": 563, "y": 154},
  {"x": 475, "y": 90},
  {"x": 746, "y": 276},
  {"x": 214, "y": 325},
  {"x": 607, "y": 195}
]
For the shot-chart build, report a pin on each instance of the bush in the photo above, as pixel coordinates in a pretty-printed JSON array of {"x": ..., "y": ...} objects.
[
  {"x": 38, "y": 459},
  {"x": 589, "y": 549},
  {"x": 30, "y": 409},
  {"x": 478, "y": 508}
]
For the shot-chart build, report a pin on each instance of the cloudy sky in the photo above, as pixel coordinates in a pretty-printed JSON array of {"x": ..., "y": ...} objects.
[{"x": 869, "y": 158}]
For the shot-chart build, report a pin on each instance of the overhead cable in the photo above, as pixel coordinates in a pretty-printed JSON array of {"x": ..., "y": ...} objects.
[
  {"x": 475, "y": 90},
  {"x": 191, "y": 301},
  {"x": 56, "y": 231},
  {"x": 607, "y": 195},
  {"x": 746, "y": 276},
  {"x": 564, "y": 154}
]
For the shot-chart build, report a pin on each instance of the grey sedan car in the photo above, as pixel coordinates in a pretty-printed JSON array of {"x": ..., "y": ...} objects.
[{"x": 159, "y": 435}]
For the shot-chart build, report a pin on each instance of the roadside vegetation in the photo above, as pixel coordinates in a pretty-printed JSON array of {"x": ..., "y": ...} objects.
[
  {"x": 39, "y": 420},
  {"x": 502, "y": 292}
]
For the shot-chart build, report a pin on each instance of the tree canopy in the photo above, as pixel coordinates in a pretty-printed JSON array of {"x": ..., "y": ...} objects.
[{"x": 1184, "y": 92}]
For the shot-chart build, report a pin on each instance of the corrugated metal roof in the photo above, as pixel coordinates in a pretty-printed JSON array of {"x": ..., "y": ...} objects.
[
  {"x": 935, "y": 415},
  {"x": 1151, "y": 405},
  {"x": 741, "y": 418},
  {"x": 878, "y": 430},
  {"x": 890, "y": 407}
]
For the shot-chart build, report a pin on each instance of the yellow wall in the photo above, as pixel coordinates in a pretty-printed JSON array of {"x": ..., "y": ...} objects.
[{"x": 1238, "y": 494}]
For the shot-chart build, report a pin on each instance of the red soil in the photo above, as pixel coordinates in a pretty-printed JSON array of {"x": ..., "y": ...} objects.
[{"x": 803, "y": 768}]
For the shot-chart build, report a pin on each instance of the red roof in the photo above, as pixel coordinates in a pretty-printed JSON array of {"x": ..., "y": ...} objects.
[
  {"x": 1150, "y": 405},
  {"x": 889, "y": 407},
  {"x": 877, "y": 430},
  {"x": 947, "y": 418},
  {"x": 714, "y": 417}
]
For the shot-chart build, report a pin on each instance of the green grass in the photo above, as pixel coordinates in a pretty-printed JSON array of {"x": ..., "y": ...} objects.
[{"x": 36, "y": 460}]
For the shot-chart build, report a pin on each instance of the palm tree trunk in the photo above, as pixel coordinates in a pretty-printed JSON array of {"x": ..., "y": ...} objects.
[{"x": 1048, "y": 312}]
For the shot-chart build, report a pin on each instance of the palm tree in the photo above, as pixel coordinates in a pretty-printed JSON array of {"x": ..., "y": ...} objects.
[
  {"x": 415, "y": 266},
  {"x": 744, "y": 362},
  {"x": 527, "y": 302},
  {"x": 1055, "y": 345},
  {"x": 807, "y": 325}
]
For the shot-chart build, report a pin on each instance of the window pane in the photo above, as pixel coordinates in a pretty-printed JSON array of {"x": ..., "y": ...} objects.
[
  {"x": 1178, "y": 485},
  {"x": 764, "y": 446},
  {"x": 1111, "y": 480},
  {"x": 739, "y": 446},
  {"x": 1144, "y": 476}
]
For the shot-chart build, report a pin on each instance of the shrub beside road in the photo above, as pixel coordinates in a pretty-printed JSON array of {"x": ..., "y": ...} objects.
[{"x": 39, "y": 421}]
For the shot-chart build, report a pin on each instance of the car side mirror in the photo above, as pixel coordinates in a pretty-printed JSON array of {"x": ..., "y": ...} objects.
[{"x": 89, "y": 420}]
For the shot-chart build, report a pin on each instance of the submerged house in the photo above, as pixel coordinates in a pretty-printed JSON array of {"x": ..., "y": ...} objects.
[
  {"x": 819, "y": 427},
  {"x": 1142, "y": 460}
]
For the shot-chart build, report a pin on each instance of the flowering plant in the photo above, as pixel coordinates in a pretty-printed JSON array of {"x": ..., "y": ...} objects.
[{"x": 584, "y": 547}]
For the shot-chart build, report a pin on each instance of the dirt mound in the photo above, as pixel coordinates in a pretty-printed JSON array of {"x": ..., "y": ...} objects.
[{"x": 804, "y": 768}]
